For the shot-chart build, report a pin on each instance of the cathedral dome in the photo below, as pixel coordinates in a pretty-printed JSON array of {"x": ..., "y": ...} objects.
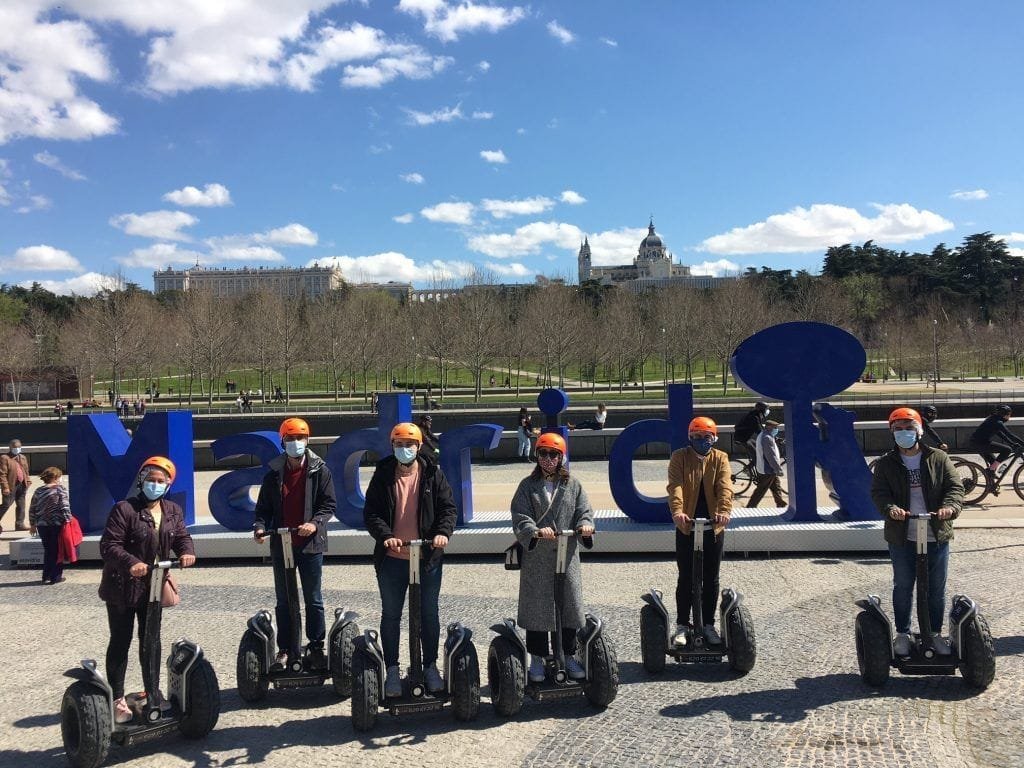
[{"x": 652, "y": 240}]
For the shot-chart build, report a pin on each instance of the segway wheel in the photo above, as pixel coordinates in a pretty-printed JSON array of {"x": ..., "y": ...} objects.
[
  {"x": 742, "y": 642},
  {"x": 341, "y": 652},
  {"x": 978, "y": 655},
  {"x": 202, "y": 709},
  {"x": 252, "y": 683},
  {"x": 365, "y": 692},
  {"x": 603, "y": 685},
  {"x": 466, "y": 684},
  {"x": 873, "y": 650},
  {"x": 506, "y": 676},
  {"x": 653, "y": 639},
  {"x": 85, "y": 725}
]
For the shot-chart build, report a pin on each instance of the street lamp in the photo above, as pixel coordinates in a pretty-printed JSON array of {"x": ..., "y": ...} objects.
[
  {"x": 39, "y": 365},
  {"x": 935, "y": 352},
  {"x": 664, "y": 359}
]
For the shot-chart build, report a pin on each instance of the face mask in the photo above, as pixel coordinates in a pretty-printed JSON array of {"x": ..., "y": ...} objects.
[
  {"x": 767, "y": 411},
  {"x": 154, "y": 491},
  {"x": 16, "y": 451},
  {"x": 905, "y": 438},
  {"x": 295, "y": 448},
  {"x": 775, "y": 431},
  {"x": 702, "y": 444},
  {"x": 548, "y": 464},
  {"x": 405, "y": 455}
]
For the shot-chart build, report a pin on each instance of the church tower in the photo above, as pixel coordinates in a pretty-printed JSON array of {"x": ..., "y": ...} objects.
[{"x": 583, "y": 261}]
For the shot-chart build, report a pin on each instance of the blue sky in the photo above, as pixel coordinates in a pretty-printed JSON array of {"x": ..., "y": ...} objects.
[{"x": 406, "y": 139}]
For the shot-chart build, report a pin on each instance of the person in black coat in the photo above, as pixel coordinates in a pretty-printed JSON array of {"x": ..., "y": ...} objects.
[
  {"x": 409, "y": 498},
  {"x": 995, "y": 442}
]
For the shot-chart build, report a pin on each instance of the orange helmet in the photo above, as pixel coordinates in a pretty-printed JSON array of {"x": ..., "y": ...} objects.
[
  {"x": 905, "y": 413},
  {"x": 407, "y": 431},
  {"x": 293, "y": 426},
  {"x": 160, "y": 462},
  {"x": 551, "y": 441},
  {"x": 703, "y": 424}
]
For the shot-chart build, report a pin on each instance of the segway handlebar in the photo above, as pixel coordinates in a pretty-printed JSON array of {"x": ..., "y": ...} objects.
[
  {"x": 586, "y": 541},
  {"x": 164, "y": 565}
]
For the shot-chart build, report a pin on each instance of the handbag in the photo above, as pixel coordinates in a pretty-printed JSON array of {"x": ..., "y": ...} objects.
[
  {"x": 514, "y": 553},
  {"x": 169, "y": 596}
]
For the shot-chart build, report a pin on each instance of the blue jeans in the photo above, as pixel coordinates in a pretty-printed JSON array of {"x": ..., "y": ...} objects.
[
  {"x": 393, "y": 581},
  {"x": 309, "y": 568},
  {"x": 904, "y": 573},
  {"x": 522, "y": 448}
]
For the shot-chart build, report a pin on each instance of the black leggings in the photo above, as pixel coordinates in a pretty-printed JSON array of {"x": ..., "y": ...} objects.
[
  {"x": 713, "y": 547},
  {"x": 537, "y": 642},
  {"x": 993, "y": 451},
  {"x": 122, "y": 621}
]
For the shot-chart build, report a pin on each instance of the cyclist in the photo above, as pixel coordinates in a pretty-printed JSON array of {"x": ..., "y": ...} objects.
[
  {"x": 749, "y": 427},
  {"x": 995, "y": 442},
  {"x": 930, "y": 413}
]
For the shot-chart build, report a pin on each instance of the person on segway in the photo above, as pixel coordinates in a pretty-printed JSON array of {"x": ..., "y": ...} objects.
[
  {"x": 914, "y": 478},
  {"x": 140, "y": 531},
  {"x": 409, "y": 498},
  {"x": 699, "y": 485},
  {"x": 549, "y": 500},
  {"x": 297, "y": 492}
]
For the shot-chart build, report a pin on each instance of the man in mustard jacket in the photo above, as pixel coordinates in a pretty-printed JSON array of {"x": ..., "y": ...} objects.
[{"x": 699, "y": 485}]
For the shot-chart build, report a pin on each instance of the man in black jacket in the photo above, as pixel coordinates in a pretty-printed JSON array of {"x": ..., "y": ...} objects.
[
  {"x": 409, "y": 498},
  {"x": 995, "y": 442},
  {"x": 749, "y": 427},
  {"x": 297, "y": 492}
]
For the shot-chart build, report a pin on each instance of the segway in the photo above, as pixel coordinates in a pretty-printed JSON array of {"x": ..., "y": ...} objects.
[
  {"x": 306, "y": 667},
  {"x": 738, "y": 644},
  {"x": 507, "y": 655},
  {"x": 192, "y": 705},
  {"x": 461, "y": 668},
  {"x": 972, "y": 650}
]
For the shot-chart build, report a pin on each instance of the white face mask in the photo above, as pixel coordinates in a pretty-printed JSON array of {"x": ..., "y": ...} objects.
[
  {"x": 16, "y": 451},
  {"x": 295, "y": 448}
]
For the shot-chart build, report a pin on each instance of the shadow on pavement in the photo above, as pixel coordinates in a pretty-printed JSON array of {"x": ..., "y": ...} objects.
[
  {"x": 633, "y": 672},
  {"x": 1009, "y": 646}
]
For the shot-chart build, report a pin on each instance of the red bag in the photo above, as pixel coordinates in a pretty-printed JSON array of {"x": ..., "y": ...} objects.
[{"x": 169, "y": 596}]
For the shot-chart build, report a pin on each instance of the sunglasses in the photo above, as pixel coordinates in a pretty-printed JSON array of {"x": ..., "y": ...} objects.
[{"x": 546, "y": 454}]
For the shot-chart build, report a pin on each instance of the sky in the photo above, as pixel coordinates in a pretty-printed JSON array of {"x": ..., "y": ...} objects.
[{"x": 414, "y": 140}]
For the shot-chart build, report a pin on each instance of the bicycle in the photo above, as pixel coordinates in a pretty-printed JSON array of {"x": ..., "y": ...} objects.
[
  {"x": 975, "y": 491},
  {"x": 744, "y": 473},
  {"x": 969, "y": 471}
]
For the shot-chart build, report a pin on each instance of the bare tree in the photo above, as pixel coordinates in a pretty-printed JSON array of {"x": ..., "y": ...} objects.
[
  {"x": 211, "y": 335},
  {"x": 734, "y": 311},
  {"x": 478, "y": 327},
  {"x": 679, "y": 313},
  {"x": 17, "y": 359},
  {"x": 257, "y": 314},
  {"x": 437, "y": 327},
  {"x": 113, "y": 320}
]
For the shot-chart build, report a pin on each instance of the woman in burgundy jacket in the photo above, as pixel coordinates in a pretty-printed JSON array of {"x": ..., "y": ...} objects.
[{"x": 140, "y": 531}]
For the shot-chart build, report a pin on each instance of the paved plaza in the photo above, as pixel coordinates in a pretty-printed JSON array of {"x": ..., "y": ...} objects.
[{"x": 803, "y": 704}]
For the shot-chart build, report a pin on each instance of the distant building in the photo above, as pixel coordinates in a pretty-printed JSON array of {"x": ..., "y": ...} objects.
[
  {"x": 402, "y": 292},
  {"x": 652, "y": 267},
  {"x": 290, "y": 282}
]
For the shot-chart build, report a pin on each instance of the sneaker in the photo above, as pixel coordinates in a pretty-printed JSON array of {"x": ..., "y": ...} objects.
[
  {"x": 393, "y": 682},
  {"x": 574, "y": 668},
  {"x": 315, "y": 656},
  {"x": 122, "y": 714},
  {"x": 432, "y": 677},
  {"x": 679, "y": 638},
  {"x": 22, "y": 528},
  {"x": 537, "y": 670},
  {"x": 941, "y": 645},
  {"x": 711, "y": 635},
  {"x": 901, "y": 647},
  {"x": 280, "y": 661}
]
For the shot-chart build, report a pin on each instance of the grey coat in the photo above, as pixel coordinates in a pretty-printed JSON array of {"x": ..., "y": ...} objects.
[{"x": 570, "y": 510}]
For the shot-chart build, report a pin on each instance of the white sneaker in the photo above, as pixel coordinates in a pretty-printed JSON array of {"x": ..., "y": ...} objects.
[
  {"x": 393, "y": 682},
  {"x": 574, "y": 668},
  {"x": 537, "y": 672},
  {"x": 679, "y": 638},
  {"x": 122, "y": 714},
  {"x": 433, "y": 679},
  {"x": 901, "y": 646},
  {"x": 941, "y": 645},
  {"x": 711, "y": 635}
]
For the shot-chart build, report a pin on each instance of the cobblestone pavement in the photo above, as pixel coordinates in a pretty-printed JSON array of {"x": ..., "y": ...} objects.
[{"x": 802, "y": 705}]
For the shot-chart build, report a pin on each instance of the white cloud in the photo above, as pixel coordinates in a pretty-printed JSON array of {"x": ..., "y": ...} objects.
[
  {"x": 442, "y": 115},
  {"x": 160, "y": 255},
  {"x": 404, "y": 218},
  {"x": 53, "y": 162},
  {"x": 502, "y": 209},
  {"x": 380, "y": 149},
  {"x": 572, "y": 198},
  {"x": 231, "y": 252},
  {"x": 1018, "y": 252},
  {"x": 446, "y": 22},
  {"x": 210, "y": 196},
  {"x": 159, "y": 225},
  {"x": 616, "y": 246},
  {"x": 412, "y": 178},
  {"x": 450, "y": 213},
  {"x": 969, "y": 194},
  {"x": 1012, "y": 237},
  {"x": 36, "y": 203},
  {"x": 560, "y": 33},
  {"x": 609, "y": 42},
  {"x": 520, "y": 131},
  {"x": 5, "y": 173},
  {"x": 720, "y": 268},
  {"x": 484, "y": 66},
  {"x": 256, "y": 246},
  {"x": 493, "y": 156},
  {"x": 515, "y": 269},
  {"x": 41, "y": 258},
  {"x": 290, "y": 234},
  {"x": 88, "y": 284},
  {"x": 481, "y": 115},
  {"x": 412, "y": 63},
  {"x": 391, "y": 265},
  {"x": 804, "y": 230}
]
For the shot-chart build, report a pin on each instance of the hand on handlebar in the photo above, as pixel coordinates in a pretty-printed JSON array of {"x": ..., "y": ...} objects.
[
  {"x": 897, "y": 513},
  {"x": 585, "y": 530},
  {"x": 187, "y": 561},
  {"x": 943, "y": 513},
  {"x": 260, "y": 535},
  {"x": 138, "y": 570},
  {"x": 440, "y": 541},
  {"x": 393, "y": 544},
  {"x": 546, "y": 533},
  {"x": 306, "y": 529}
]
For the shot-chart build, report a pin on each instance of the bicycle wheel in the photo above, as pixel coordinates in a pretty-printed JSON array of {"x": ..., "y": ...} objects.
[
  {"x": 972, "y": 475},
  {"x": 742, "y": 477},
  {"x": 1018, "y": 481}
]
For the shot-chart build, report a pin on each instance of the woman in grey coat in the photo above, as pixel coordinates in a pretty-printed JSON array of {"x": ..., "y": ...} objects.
[{"x": 546, "y": 501}]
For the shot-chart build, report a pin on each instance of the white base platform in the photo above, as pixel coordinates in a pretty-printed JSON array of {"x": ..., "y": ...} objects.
[{"x": 751, "y": 530}]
